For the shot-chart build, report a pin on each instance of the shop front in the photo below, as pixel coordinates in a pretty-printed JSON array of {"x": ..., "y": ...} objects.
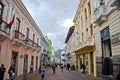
[{"x": 86, "y": 56}]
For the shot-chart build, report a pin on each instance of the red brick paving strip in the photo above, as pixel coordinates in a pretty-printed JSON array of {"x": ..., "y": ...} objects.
[{"x": 65, "y": 75}]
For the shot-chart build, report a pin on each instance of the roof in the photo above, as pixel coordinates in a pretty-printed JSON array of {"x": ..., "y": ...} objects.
[{"x": 71, "y": 29}]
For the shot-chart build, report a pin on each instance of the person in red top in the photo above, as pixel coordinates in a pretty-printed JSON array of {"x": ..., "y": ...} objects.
[{"x": 42, "y": 72}]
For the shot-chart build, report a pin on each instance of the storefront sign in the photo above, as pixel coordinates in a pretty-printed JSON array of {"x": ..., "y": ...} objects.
[{"x": 115, "y": 39}]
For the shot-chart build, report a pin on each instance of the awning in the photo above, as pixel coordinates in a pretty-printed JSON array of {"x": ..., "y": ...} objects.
[{"x": 85, "y": 49}]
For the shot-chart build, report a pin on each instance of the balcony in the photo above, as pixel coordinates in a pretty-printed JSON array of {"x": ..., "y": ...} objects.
[
  {"x": 18, "y": 39},
  {"x": 29, "y": 43},
  {"x": 36, "y": 47},
  {"x": 100, "y": 15},
  {"x": 4, "y": 31}
]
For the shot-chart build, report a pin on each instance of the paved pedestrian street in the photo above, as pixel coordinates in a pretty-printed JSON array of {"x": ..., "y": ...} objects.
[{"x": 65, "y": 75}]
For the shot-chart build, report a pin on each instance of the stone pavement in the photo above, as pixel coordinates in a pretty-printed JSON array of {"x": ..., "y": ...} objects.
[{"x": 65, "y": 75}]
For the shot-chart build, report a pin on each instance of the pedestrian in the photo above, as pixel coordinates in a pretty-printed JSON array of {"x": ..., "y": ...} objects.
[
  {"x": 10, "y": 72},
  {"x": 31, "y": 68},
  {"x": 42, "y": 72},
  {"x": 68, "y": 66},
  {"x": 2, "y": 72},
  {"x": 83, "y": 66},
  {"x": 53, "y": 67},
  {"x": 118, "y": 76},
  {"x": 61, "y": 67}
]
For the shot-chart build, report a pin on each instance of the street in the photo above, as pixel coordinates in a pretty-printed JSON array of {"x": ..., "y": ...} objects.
[{"x": 65, "y": 75}]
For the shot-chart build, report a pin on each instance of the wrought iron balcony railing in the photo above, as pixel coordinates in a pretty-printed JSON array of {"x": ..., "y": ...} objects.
[{"x": 19, "y": 35}]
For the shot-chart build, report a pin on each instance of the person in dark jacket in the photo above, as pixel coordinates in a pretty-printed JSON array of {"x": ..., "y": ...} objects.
[
  {"x": 118, "y": 76},
  {"x": 2, "y": 71},
  {"x": 68, "y": 66},
  {"x": 53, "y": 67},
  {"x": 83, "y": 66}
]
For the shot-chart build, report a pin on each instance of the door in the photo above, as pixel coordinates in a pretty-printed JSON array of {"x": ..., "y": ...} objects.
[
  {"x": 14, "y": 61},
  {"x": 25, "y": 64},
  {"x": 91, "y": 63}
]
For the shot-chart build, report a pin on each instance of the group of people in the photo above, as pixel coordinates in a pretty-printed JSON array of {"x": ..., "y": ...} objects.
[
  {"x": 11, "y": 72},
  {"x": 54, "y": 65}
]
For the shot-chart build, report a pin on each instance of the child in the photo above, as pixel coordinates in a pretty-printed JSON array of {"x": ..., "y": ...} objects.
[{"x": 42, "y": 72}]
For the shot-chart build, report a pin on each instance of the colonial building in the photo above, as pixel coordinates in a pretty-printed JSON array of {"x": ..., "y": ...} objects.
[
  {"x": 44, "y": 51},
  {"x": 19, "y": 38},
  {"x": 84, "y": 37},
  {"x": 70, "y": 46},
  {"x": 107, "y": 37}
]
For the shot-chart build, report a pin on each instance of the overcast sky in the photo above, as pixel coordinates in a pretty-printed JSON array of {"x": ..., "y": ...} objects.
[{"x": 54, "y": 17}]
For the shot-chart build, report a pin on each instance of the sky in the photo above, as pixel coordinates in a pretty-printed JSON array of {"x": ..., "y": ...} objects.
[{"x": 54, "y": 18}]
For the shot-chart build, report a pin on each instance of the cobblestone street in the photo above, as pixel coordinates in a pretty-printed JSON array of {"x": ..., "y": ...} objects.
[{"x": 65, "y": 75}]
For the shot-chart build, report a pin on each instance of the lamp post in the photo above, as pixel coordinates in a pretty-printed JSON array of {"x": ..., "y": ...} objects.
[{"x": 25, "y": 64}]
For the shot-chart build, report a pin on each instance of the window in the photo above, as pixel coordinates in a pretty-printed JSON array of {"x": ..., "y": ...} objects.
[
  {"x": 27, "y": 34},
  {"x": 1, "y": 10},
  {"x": 36, "y": 62},
  {"x": 89, "y": 8},
  {"x": 91, "y": 30},
  {"x": 33, "y": 39},
  {"x": 17, "y": 24},
  {"x": 17, "y": 28},
  {"x": 87, "y": 35},
  {"x": 82, "y": 37},
  {"x": 37, "y": 40},
  {"x": 85, "y": 14}
]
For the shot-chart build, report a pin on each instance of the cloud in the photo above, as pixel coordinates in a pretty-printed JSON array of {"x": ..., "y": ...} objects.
[
  {"x": 54, "y": 17},
  {"x": 68, "y": 23}
]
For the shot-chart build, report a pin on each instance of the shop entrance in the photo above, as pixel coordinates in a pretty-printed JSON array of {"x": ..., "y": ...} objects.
[
  {"x": 91, "y": 63},
  {"x": 14, "y": 61}
]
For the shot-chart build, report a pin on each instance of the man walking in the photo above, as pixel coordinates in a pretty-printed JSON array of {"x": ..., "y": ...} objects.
[
  {"x": 68, "y": 66},
  {"x": 53, "y": 67}
]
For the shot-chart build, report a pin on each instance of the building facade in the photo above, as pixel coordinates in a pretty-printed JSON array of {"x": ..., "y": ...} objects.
[
  {"x": 70, "y": 46},
  {"x": 107, "y": 37},
  {"x": 44, "y": 51},
  {"x": 84, "y": 36},
  {"x": 52, "y": 59},
  {"x": 63, "y": 57},
  {"x": 19, "y": 38}
]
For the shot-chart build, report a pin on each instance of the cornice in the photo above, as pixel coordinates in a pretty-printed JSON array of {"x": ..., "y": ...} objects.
[{"x": 78, "y": 10}]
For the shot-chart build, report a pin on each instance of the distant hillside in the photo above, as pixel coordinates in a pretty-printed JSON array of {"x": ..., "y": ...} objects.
[{"x": 58, "y": 53}]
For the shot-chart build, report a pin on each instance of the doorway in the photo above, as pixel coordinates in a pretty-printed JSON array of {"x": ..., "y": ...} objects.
[
  {"x": 91, "y": 63},
  {"x": 25, "y": 67},
  {"x": 14, "y": 61}
]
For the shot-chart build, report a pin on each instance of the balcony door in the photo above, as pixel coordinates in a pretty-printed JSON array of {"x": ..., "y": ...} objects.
[
  {"x": 17, "y": 28},
  {"x": 1, "y": 9},
  {"x": 1, "y": 12}
]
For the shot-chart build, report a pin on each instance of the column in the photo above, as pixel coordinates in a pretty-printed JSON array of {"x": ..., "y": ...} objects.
[
  {"x": 94, "y": 60},
  {"x": 78, "y": 62},
  {"x": 89, "y": 67}
]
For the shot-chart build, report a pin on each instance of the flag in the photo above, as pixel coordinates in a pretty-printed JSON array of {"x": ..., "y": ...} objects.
[{"x": 11, "y": 22}]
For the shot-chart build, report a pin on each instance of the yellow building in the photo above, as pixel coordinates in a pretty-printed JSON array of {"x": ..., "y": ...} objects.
[
  {"x": 107, "y": 37},
  {"x": 84, "y": 37}
]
